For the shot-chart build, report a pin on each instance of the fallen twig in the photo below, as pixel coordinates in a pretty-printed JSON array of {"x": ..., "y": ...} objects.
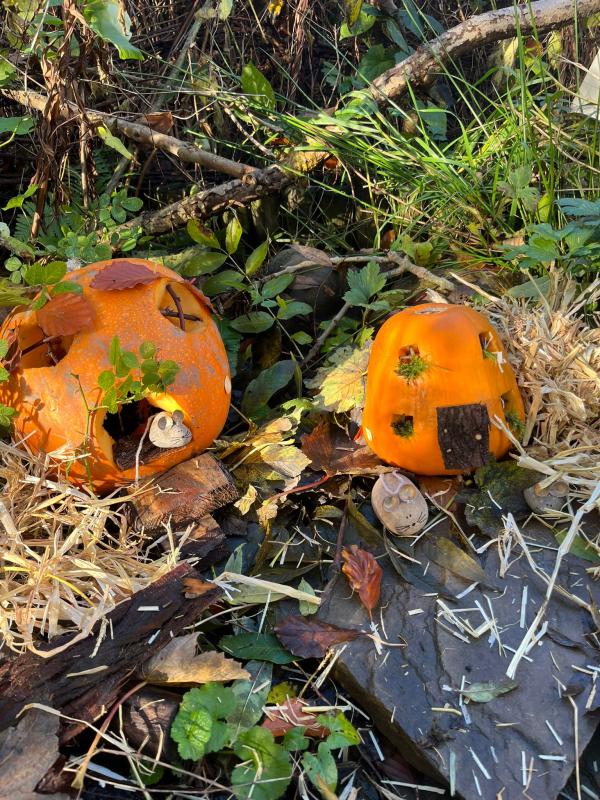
[
  {"x": 422, "y": 66},
  {"x": 184, "y": 151}
]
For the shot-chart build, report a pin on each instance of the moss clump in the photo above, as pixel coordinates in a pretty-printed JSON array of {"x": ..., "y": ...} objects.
[
  {"x": 411, "y": 368},
  {"x": 514, "y": 423},
  {"x": 403, "y": 426}
]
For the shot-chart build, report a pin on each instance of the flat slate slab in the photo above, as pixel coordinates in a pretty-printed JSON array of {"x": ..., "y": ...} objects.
[{"x": 492, "y": 750}]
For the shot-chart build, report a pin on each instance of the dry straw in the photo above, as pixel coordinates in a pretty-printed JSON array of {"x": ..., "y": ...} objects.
[
  {"x": 67, "y": 557},
  {"x": 554, "y": 347}
]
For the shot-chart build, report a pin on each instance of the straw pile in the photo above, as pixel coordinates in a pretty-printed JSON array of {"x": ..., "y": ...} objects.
[
  {"x": 67, "y": 558},
  {"x": 555, "y": 350}
]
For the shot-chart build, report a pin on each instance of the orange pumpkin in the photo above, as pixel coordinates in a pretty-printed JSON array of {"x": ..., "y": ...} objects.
[
  {"x": 55, "y": 386},
  {"x": 437, "y": 378}
]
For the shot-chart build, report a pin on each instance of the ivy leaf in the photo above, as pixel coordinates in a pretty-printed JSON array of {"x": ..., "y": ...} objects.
[
  {"x": 254, "y": 83},
  {"x": 256, "y": 258},
  {"x": 108, "y": 19},
  {"x": 260, "y": 646},
  {"x": 266, "y": 770},
  {"x": 364, "y": 575},
  {"x": 262, "y": 388},
  {"x": 340, "y": 383},
  {"x": 364, "y": 283}
]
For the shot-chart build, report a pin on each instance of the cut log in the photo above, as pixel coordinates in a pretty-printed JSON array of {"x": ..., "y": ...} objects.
[
  {"x": 87, "y": 678},
  {"x": 185, "y": 494},
  {"x": 147, "y": 720}
]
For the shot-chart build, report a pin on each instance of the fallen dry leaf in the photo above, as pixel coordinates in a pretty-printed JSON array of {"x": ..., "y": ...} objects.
[
  {"x": 364, "y": 575},
  {"x": 12, "y": 359},
  {"x": 442, "y": 490},
  {"x": 122, "y": 274},
  {"x": 65, "y": 315},
  {"x": 307, "y": 637},
  {"x": 332, "y": 451},
  {"x": 341, "y": 381},
  {"x": 159, "y": 121},
  {"x": 197, "y": 586},
  {"x": 288, "y": 715},
  {"x": 178, "y": 663},
  {"x": 26, "y": 753}
]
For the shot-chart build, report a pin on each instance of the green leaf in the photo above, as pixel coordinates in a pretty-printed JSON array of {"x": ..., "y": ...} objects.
[
  {"x": 110, "y": 140},
  {"x": 202, "y": 235},
  {"x": 262, "y": 388},
  {"x": 364, "y": 283},
  {"x": 132, "y": 204},
  {"x": 254, "y": 322},
  {"x": 6, "y": 415},
  {"x": 266, "y": 770},
  {"x": 111, "y": 23},
  {"x": 191, "y": 729},
  {"x": 233, "y": 234},
  {"x": 17, "y": 202},
  {"x": 260, "y": 646},
  {"x": 3, "y": 348},
  {"x": 342, "y": 731},
  {"x": 16, "y": 125},
  {"x": 38, "y": 275},
  {"x": 293, "y": 309},
  {"x": 129, "y": 360},
  {"x": 320, "y": 767},
  {"x": 580, "y": 548},
  {"x": 256, "y": 258},
  {"x": 254, "y": 83},
  {"x": 4, "y": 375},
  {"x": 114, "y": 351},
  {"x": 275, "y": 286},
  {"x": 375, "y": 61},
  {"x": 228, "y": 279},
  {"x": 352, "y": 9},
  {"x": 364, "y": 23},
  {"x": 224, "y": 8},
  {"x": 147, "y": 350},
  {"x": 484, "y": 692},
  {"x": 251, "y": 694},
  {"x": 218, "y": 700},
  {"x": 294, "y": 740},
  {"x": 67, "y": 287},
  {"x": 204, "y": 264},
  {"x": 106, "y": 379},
  {"x": 306, "y": 608}
]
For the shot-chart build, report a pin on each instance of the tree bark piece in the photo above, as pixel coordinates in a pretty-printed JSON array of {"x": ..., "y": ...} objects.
[
  {"x": 184, "y": 151},
  {"x": 423, "y": 65},
  {"x": 463, "y": 436},
  {"x": 186, "y": 493},
  {"x": 147, "y": 720},
  {"x": 87, "y": 678}
]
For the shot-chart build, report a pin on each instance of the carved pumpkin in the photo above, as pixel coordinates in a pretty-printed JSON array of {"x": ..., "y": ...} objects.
[
  {"x": 437, "y": 377},
  {"x": 55, "y": 385}
]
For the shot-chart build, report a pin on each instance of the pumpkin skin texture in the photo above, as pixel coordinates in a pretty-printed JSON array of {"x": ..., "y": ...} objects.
[
  {"x": 51, "y": 402},
  {"x": 434, "y": 386}
]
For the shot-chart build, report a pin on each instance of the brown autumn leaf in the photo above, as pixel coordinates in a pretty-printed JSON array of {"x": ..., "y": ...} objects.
[
  {"x": 197, "y": 587},
  {"x": 364, "y": 575},
  {"x": 282, "y": 718},
  {"x": 307, "y": 637},
  {"x": 441, "y": 489},
  {"x": 122, "y": 274},
  {"x": 178, "y": 663},
  {"x": 159, "y": 121},
  {"x": 332, "y": 451},
  {"x": 65, "y": 314}
]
